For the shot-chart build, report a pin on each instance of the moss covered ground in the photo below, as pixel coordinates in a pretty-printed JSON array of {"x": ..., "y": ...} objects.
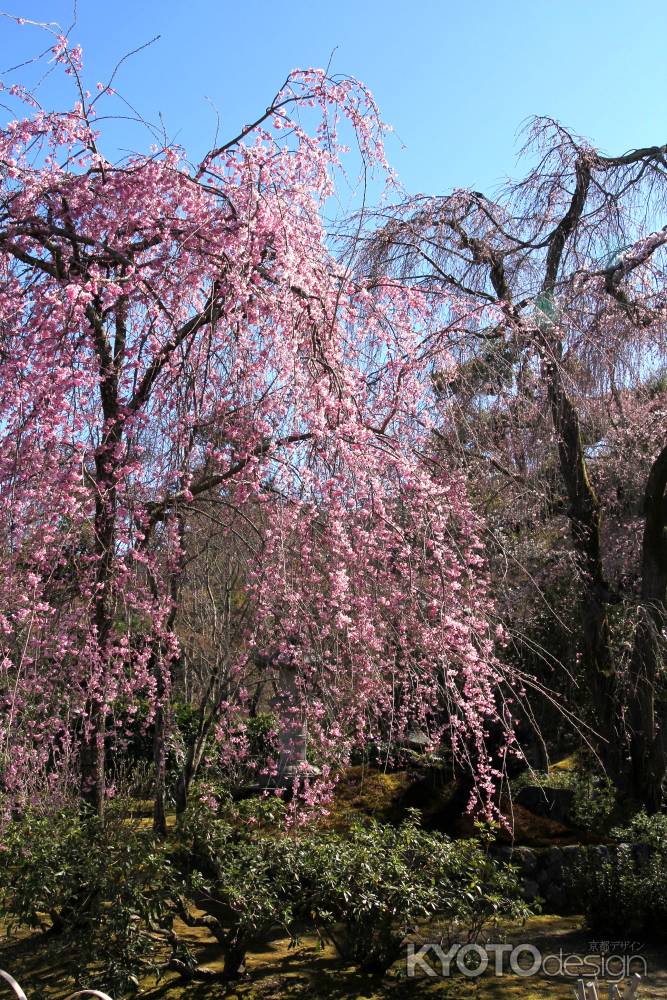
[{"x": 312, "y": 971}]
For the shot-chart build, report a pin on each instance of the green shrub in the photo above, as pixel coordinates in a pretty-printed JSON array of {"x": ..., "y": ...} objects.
[
  {"x": 213, "y": 806},
  {"x": 110, "y": 891},
  {"x": 365, "y": 890},
  {"x": 103, "y": 889},
  {"x": 594, "y": 795},
  {"x": 248, "y": 883},
  {"x": 645, "y": 829},
  {"x": 373, "y": 886},
  {"x": 620, "y": 897}
]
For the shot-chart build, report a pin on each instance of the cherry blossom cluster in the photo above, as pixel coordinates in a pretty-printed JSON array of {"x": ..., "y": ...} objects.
[{"x": 170, "y": 335}]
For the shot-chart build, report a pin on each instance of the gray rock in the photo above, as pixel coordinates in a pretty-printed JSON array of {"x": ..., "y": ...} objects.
[
  {"x": 525, "y": 857},
  {"x": 599, "y": 853},
  {"x": 555, "y": 858}
]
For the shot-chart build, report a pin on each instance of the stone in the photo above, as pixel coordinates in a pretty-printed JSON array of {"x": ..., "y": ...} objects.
[
  {"x": 554, "y": 803},
  {"x": 525, "y": 857},
  {"x": 600, "y": 853},
  {"x": 555, "y": 858}
]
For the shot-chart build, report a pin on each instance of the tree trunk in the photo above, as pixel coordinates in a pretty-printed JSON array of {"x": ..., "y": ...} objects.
[
  {"x": 183, "y": 783},
  {"x": 647, "y": 738},
  {"x": 191, "y": 765},
  {"x": 585, "y": 524},
  {"x": 93, "y": 770},
  {"x": 159, "y": 759},
  {"x": 92, "y": 762},
  {"x": 163, "y": 682},
  {"x": 233, "y": 961}
]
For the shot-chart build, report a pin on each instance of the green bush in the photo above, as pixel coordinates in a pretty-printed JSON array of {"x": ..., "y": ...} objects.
[
  {"x": 213, "y": 806},
  {"x": 373, "y": 886},
  {"x": 594, "y": 795},
  {"x": 365, "y": 890},
  {"x": 621, "y": 897},
  {"x": 101, "y": 889},
  {"x": 645, "y": 829},
  {"x": 249, "y": 883},
  {"x": 108, "y": 892},
  {"x": 594, "y": 800}
]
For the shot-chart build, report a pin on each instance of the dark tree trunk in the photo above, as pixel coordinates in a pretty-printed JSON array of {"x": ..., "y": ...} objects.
[
  {"x": 192, "y": 762},
  {"x": 92, "y": 762},
  {"x": 163, "y": 683},
  {"x": 585, "y": 524},
  {"x": 93, "y": 771},
  {"x": 159, "y": 759},
  {"x": 183, "y": 783},
  {"x": 233, "y": 961},
  {"x": 647, "y": 737}
]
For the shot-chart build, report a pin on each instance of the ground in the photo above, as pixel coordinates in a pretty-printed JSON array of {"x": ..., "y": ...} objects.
[{"x": 313, "y": 972}]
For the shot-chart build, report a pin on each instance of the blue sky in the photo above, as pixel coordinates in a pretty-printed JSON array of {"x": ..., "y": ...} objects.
[{"x": 456, "y": 78}]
